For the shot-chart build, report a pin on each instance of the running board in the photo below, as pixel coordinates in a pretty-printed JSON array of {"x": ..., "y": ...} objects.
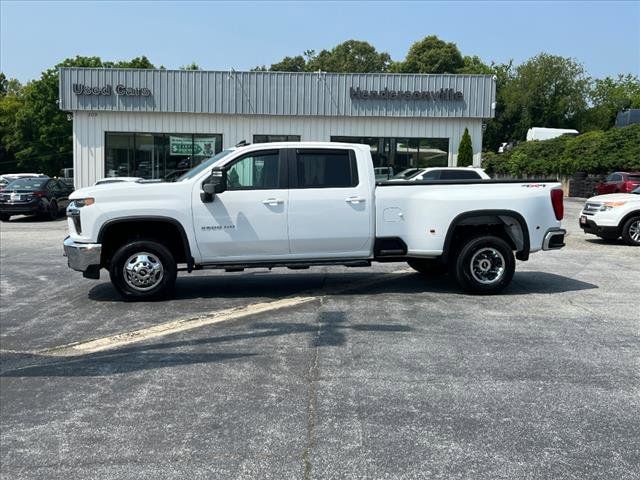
[{"x": 301, "y": 265}]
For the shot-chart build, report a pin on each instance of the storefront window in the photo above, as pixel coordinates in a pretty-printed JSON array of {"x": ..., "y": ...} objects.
[
  {"x": 403, "y": 153},
  {"x": 119, "y": 155},
  {"x": 165, "y": 156},
  {"x": 275, "y": 138}
]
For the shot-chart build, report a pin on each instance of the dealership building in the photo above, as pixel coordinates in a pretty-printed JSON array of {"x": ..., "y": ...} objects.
[{"x": 158, "y": 123}]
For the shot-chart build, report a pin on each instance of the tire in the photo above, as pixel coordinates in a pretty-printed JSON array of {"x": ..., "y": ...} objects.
[
  {"x": 631, "y": 231},
  {"x": 484, "y": 265},
  {"x": 4, "y": 217},
  {"x": 53, "y": 212},
  {"x": 152, "y": 271},
  {"x": 427, "y": 266}
]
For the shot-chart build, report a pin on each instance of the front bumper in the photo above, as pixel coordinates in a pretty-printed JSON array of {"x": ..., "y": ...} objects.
[
  {"x": 554, "y": 239},
  {"x": 589, "y": 226},
  {"x": 83, "y": 257}
]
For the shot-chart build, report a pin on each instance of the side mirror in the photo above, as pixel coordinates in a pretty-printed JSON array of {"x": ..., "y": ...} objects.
[{"x": 216, "y": 183}]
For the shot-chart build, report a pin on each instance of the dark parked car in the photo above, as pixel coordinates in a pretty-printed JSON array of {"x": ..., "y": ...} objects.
[
  {"x": 42, "y": 196},
  {"x": 618, "y": 182}
]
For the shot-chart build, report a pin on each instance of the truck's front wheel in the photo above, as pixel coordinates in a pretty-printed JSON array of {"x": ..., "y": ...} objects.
[
  {"x": 484, "y": 265},
  {"x": 143, "y": 270}
]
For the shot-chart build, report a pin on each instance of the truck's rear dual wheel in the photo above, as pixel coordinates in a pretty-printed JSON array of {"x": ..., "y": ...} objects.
[
  {"x": 143, "y": 270},
  {"x": 484, "y": 265}
]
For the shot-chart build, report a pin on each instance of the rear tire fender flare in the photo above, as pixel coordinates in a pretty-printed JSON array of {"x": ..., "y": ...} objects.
[{"x": 519, "y": 236}]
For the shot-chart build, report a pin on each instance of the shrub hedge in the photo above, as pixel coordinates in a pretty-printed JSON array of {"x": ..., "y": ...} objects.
[{"x": 592, "y": 152}]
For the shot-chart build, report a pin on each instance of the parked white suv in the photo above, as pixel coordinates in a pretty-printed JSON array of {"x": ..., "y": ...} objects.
[
  {"x": 449, "y": 173},
  {"x": 301, "y": 204},
  {"x": 613, "y": 216}
]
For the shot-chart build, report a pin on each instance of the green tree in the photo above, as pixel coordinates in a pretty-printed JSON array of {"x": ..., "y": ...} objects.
[
  {"x": 10, "y": 104},
  {"x": 290, "y": 64},
  {"x": 432, "y": 55},
  {"x": 465, "y": 150},
  {"x": 472, "y": 65},
  {"x": 546, "y": 91},
  {"x": 608, "y": 96},
  {"x": 350, "y": 56},
  {"x": 500, "y": 128},
  {"x": 3, "y": 84},
  {"x": 191, "y": 66},
  {"x": 40, "y": 134},
  {"x": 138, "y": 62}
]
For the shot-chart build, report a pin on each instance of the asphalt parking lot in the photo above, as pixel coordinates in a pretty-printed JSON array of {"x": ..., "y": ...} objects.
[{"x": 326, "y": 373}]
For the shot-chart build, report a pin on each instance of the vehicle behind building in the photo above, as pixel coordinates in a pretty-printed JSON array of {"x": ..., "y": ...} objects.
[{"x": 540, "y": 133}]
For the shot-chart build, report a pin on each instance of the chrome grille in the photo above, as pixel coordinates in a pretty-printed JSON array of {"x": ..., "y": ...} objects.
[{"x": 591, "y": 207}]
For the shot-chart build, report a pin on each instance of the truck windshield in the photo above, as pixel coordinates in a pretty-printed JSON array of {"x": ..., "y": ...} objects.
[{"x": 203, "y": 166}]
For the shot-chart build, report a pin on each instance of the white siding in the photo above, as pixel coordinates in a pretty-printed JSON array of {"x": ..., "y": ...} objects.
[{"x": 89, "y": 130}]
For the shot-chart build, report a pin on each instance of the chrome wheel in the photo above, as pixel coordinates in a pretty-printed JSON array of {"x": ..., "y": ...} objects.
[
  {"x": 143, "y": 271},
  {"x": 487, "y": 266},
  {"x": 634, "y": 231}
]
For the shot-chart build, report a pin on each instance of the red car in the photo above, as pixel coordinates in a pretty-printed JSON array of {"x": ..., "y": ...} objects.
[{"x": 618, "y": 182}]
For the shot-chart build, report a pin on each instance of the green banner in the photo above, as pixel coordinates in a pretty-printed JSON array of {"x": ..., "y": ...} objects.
[{"x": 204, "y": 147}]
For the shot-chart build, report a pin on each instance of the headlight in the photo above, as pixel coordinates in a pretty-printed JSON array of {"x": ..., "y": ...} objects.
[
  {"x": 610, "y": 205},
  {"x": 82, "y": 202}
]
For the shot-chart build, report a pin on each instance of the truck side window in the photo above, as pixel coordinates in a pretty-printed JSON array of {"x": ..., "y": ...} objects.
[
  {"x": 326, "y": 169},
  {"x": 256, "y": 171}
]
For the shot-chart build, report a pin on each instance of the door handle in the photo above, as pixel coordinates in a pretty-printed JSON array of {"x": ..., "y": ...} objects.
[
  {"x": 355, "y": 200},
  {"x": 272, "y": 201}
]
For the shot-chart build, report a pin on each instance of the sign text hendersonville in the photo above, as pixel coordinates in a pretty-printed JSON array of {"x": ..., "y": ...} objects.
[
  {"x": 444, "y": 94},
  {"x": 107, "y": 90}
]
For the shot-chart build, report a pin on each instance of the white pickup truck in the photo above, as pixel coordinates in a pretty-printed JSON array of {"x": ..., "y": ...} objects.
[{"x": 301, "y": 204}]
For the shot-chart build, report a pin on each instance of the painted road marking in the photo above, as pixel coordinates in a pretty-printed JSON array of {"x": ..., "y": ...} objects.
[
  {"x": 175, "y": 326},
  {"x": 185, "y": 324}
]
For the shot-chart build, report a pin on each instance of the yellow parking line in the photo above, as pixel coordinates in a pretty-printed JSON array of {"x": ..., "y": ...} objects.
[
  {"x": 182, "y": 325},
  {"x": 135, "y": 336}
]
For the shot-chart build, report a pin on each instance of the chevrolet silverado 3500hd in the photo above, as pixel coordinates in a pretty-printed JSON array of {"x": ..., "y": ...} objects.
[{"x": 301, "y": 204}]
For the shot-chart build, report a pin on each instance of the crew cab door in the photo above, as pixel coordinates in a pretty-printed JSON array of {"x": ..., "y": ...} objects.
[
  {"x": 330, "y": 206},
  {"x": 247, "y": 221}
]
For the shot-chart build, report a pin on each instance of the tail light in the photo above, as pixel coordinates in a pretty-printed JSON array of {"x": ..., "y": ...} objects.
[
  {"x": 558, "y": 203},
  {"x": 629, "y": 186}
]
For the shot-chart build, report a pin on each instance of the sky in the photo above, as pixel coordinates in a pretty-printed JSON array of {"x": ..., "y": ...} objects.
[{"x": 34, "y": 36}]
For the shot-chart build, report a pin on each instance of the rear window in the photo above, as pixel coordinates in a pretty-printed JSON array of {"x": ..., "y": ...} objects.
[
  {"x": 27, "y": 184},
  {"x": 326, "y": 169},
  {"x": 634, "y": 178},
  {"x": 459, "y": 175}
]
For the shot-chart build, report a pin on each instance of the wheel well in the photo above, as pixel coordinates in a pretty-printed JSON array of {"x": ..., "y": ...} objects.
[
  {"x": 626, "y": 218},
  {"x": 510, "y": 226},
  {"x": 167, "y": 232}
]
